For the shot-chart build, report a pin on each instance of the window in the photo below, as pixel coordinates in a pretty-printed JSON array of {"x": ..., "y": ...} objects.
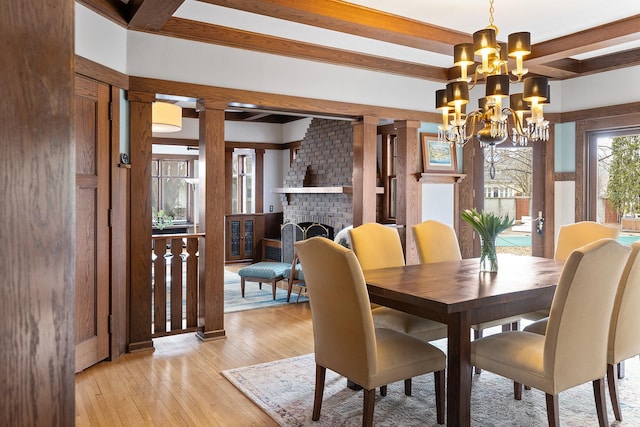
[
  {"x": 242, "y": 184},
  {"x": 169, "y": 189},
  {"x": 615, "y": 162}
]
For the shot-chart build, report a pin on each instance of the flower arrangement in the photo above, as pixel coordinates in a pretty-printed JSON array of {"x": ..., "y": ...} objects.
[{"x": 488, "y": 226}]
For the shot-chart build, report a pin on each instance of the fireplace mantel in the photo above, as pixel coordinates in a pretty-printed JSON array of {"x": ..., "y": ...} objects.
[{"x": 320, "y": 190}]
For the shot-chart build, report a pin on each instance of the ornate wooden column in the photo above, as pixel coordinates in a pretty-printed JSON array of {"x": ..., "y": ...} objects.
[
  {"x": 140, "y": 208},
  {"x": 409, "y": 190},
  {"x": 212, "y": 210},
  {"x": 364, "y": 170}
]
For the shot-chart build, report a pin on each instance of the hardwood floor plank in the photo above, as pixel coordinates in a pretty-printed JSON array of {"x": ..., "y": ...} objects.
[{"x": 180, "y": 382}]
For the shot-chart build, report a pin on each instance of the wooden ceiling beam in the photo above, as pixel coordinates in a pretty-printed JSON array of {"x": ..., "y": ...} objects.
[
  {"x": 357, "y": 20},
  {"x": 151, "y": 15},
  {"x": 113, "y": 10},
  {"x": 215, "y": 34},
  {"x": 603, "y": 36}
]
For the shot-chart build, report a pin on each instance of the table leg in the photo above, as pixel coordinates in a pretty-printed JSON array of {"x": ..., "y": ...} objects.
[{"x": 458, "y": 370}]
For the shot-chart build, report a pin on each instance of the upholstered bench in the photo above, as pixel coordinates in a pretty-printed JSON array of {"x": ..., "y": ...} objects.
[{"x": 263, "y": 272}]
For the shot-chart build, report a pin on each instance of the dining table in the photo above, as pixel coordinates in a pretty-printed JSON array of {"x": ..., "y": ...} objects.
[{"x": 459, "y": 295}]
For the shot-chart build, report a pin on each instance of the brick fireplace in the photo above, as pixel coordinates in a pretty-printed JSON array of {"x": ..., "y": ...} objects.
[{"x": 325, "y": 159}]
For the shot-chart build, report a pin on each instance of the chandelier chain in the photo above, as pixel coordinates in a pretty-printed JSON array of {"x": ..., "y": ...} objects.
[{"x": 491, "y": 14}]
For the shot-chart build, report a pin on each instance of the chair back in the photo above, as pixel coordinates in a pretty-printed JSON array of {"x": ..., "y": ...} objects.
[
  {"x": 436, "y": 242},
  {"x": 343, "y": 331},
  {"x": 377, "y": 246},
  {"x": 573, "y": 236},
  {"x": 575, "y": 349},
  {"x": 624, "y": 342}
]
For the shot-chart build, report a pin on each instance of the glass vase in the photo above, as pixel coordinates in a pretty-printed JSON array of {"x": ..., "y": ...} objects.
[{"x": 488, "y": 256}]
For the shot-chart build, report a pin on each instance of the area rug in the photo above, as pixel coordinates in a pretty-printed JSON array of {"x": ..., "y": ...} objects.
[
  {"x": 254, "y": 297},
  {"x": 284, "y": 390}
]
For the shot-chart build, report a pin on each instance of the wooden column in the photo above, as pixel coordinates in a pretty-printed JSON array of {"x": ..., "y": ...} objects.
[
  {"x": 212, "y": 210},
  {"x": 259, "y": 181},
  {"x": 364, "y": 170},
  {"x": 37, "y": 257},
  {"x": 409, "y": 190},
  {"x": 140, "y": 209}
]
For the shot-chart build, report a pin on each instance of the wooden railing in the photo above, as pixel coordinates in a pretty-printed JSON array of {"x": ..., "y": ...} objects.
[{"x": 174, "y": 284}]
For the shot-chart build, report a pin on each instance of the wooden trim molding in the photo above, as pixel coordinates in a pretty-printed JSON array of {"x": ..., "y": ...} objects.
[
  {"x": 101, "y": 73},
  {"x": 564, "y": 176}
]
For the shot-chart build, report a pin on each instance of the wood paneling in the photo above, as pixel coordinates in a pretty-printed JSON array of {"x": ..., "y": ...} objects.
[{"x": 37, "y": 214}]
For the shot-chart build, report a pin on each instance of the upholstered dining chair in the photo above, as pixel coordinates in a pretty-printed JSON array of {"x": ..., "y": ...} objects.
[
  {"x": 438, "y": 242},
  {"x": 379, "y": 246},
  {"x": 345, "y": 337},
  {"x": 574, "y": 349},
  {"x": 623, "y": 337},
  {"x": 573, "y": 236}
]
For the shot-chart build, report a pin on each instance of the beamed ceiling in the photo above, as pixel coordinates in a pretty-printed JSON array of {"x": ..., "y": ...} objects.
[{"x": 412, "y": 38}]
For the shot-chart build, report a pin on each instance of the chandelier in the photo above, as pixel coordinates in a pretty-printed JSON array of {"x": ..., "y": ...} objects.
[{"x": 497, "y": 121}]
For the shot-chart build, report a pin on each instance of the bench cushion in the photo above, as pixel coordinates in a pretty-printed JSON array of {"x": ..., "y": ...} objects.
[
  {"x": 299, "y": 273},
  {"x": 265, "y": 270}
]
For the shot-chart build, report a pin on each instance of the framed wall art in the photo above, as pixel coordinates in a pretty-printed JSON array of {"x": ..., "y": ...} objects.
[{"x": 437, "y": 156}]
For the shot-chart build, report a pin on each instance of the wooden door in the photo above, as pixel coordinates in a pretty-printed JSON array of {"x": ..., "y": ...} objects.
[{"x": 92, "y": 228}]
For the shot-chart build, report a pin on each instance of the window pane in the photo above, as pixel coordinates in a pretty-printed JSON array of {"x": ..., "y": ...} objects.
[
  {"x": 174, "y": 168},
  {"x": 174, "y": 201},
  {"x": 154, "y": 168},
  {"x": 154, "y": 195}
]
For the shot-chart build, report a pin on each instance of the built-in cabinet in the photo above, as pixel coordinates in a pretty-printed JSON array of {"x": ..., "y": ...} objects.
[{"x": 240, "y": 237}]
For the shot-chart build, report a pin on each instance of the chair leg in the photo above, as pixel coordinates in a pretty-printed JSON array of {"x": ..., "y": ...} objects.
[
  {"x": 621, "y": 370},
  {"x": 369, "y": 405},
  {"x": 383, "y": 390},
  {"x": 242, "y": 286},
  {"x": 517, "y": 391},
  {"x": 289, "y": 288},
  {"x": 477, "y": 334},
  {"x": 273, "y": 287},
  {"x": 613, "y": 391},
  {"x": 553, "y": 415},
  {"x": 407, "y": 387},
  {"x": 601, "y": 403},
  {"x": 439, "y": 379},
  {"x": 321, "y": 372}
]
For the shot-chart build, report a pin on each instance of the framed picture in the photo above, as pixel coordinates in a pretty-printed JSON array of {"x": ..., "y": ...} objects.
[{"x": 437, "y": 156}]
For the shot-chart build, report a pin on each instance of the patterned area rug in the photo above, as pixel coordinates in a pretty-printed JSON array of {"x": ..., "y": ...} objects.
[
  {"x": 254, "y": 297},
  {"x": 284, "y": 390}
]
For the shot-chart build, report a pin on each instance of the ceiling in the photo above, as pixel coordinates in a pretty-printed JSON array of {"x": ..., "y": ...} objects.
[{"x": 412, "y": 38}]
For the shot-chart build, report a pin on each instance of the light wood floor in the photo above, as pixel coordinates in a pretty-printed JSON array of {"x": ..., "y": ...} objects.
[{"x": 179, "y": 384}]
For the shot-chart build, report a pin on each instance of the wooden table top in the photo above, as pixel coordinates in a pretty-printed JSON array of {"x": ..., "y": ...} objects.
[{"x": 454, "y": 286}]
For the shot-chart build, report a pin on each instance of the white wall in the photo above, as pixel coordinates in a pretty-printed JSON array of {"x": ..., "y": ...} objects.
[
  {"x": 437, "y": 202},
  {"x": 100, "y": 40},
  {"x": 565, "y": 205}
]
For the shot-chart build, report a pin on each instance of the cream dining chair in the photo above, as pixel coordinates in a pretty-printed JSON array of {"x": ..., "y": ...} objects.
[
  {"x": 345, "y": 337},
  {"x": 624, "y": 342},
  {"x": 573, "y": 236},
  {"x": 379, "y": 246},
  {"x": 574, "y": 349}
]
